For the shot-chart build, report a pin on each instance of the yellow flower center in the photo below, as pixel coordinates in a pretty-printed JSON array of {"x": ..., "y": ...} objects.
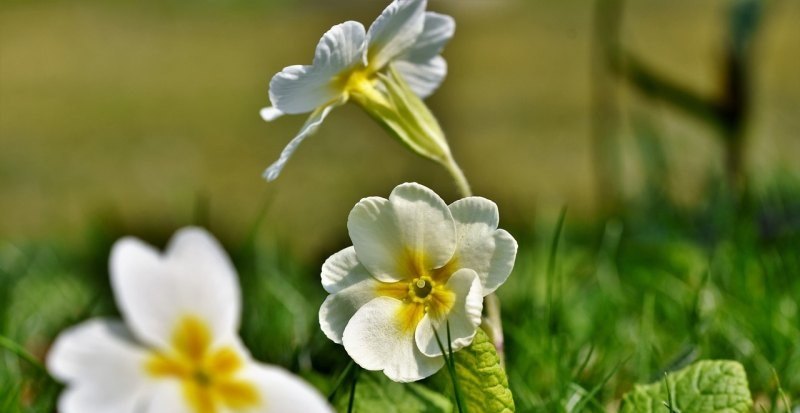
[
  {"x": 359, "y": 83},
  {"x": 422, "y": 292},
  {"x": 207, "y": 375},
  {"x": 420, "y": 288}
]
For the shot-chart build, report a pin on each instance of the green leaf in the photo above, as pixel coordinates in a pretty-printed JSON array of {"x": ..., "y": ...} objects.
[
  {"x": 717, "y": 386},
  {"x": 483, "y": 382},
  {"x": 376, "y": 393}
]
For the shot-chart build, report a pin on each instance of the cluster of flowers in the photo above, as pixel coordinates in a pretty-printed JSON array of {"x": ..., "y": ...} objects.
[{"x": 418, "y": 268}]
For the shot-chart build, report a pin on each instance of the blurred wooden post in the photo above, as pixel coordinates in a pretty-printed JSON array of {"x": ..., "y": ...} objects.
[
  {"x": 729, "y": 111},
  {"x": 605, "y": 110},
  {"x": 734, "y": 105}
]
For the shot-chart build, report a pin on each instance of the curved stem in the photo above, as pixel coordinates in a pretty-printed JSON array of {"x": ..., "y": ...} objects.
[
  {"x": 491, "y": 303},
  {"x": 458, "y": 175}
]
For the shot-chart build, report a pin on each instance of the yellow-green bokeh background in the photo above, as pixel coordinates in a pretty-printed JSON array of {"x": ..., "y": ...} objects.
[{"x": 137, "y": 109}]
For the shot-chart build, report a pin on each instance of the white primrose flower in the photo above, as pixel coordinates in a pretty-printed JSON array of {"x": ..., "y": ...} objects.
[
  {"x": 178, "y": 350},
  {"x": 385, "y": 70},
  {"x": 415, "y": 265}
]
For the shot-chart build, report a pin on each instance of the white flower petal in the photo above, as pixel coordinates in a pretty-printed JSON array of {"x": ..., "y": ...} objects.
[
  {"x": 301, "y": 89},
  {"x": 338, "y": 308},
  {"x": 283, "y": 392},
  {"x": 270, "y": 113},
  {"x": 475, "y": 210},
  {"x": 102, "y": 366},
  {"x": 394, "y": 31},
  {"x": 311, "y": 126},
  {"x": 413, "y": 226},
  {"x": 169, "y": 396},
  {"x": 505, "y": 254},
  {"x": 194, "y": 278},
  {"x": 340, "y": 47},
  {"x": 91, "y": 399},
  {"x": 375, "y": 340},
  {"x": 437, "y": 31},
  {"x": 194, "y": 251},
  {"x": 350, "y": 285},
  {"x": 425, "y": 223},
  {"x": 464, "y": 318},
  {"x": 481, "y": 246},
  {"x": 421, "y": 66},
  {"x": 423, "y": 78},
  {"x": 342, "y": 270},
  {"x": 376, "y": 238}
]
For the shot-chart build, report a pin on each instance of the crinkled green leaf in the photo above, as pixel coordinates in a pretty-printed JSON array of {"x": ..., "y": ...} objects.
[
  {"x": 717, "y": 386},
  {"x": 376, "y": 393},
  {"x": 483, "y": 383}
]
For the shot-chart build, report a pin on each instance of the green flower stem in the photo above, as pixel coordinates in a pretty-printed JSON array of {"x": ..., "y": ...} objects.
[
  {"x": 491, "y": 303},
  {"x": 450, "y": 362},
  {"x": 347, "y": 372},
  {"x": 458, "y": 175},
  {"x": 352, "y": 400}
]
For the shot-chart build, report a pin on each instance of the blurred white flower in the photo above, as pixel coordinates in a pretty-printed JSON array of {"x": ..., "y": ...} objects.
[
  {"x": 415, "y": 266},
  {"x": 386, "y": 70},
  {"x": 178, "y": 350}
]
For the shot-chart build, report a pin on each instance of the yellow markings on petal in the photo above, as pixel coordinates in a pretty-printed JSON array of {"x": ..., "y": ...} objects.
[
  {"x": 201, "y": 400},
  {"x": 442, "y": 275},
  {"x": 208, "y": 375},
  {"x": 441, "y": 302},
  {"x": 360, "y": 83},
  {"x": 420, "y": 296},
  {"x": 191, "y": 338},
  {"x": 160, "y": 366},
  {"x": 437, "y": 305},
  {"x": 413, "y": 264},
  {"x": 229, "y": 393},
  {"x": 224, "y": 362},
  {"x": 409, "y": 315},
  {"x": 237, "y": 394},
  {"x": 398, "y": 290},
  {"x": 358, "y": 80},
  {"x": 423, "y": 291}
]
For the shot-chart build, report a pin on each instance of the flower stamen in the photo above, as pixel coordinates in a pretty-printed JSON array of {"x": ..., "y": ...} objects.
[
  {"x": 422, "y": 296},
  {"x": 420, "y": 288}
]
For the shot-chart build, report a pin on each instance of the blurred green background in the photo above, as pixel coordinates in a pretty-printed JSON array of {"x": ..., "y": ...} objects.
[{"x": 135, "y": 110}]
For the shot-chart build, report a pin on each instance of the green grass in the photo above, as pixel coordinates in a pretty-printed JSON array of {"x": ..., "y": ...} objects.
[
  {"x": 617, "y": 302},
  {"x": 650, "y": 293}
]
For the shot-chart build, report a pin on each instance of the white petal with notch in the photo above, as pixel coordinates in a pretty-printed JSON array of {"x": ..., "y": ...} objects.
[
  {"x": 375, "y": 340},
  {"x": 489, "y": 251},
  {"x": 193, "y": 278}
]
